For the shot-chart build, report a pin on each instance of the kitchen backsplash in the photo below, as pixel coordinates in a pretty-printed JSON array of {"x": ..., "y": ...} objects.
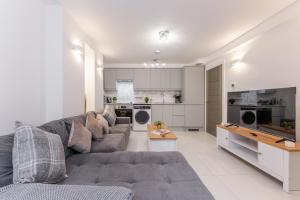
[{"x": 156, "y": 97}]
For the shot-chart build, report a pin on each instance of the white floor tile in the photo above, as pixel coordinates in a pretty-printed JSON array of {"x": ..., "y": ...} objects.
[{"x": 226, "y": 176}]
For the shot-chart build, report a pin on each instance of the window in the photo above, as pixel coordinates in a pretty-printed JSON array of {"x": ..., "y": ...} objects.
[{"x": 125, "y": 92}]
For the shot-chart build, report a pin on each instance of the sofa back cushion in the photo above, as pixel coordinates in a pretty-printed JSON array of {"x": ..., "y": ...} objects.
[
  {"x": 59, "y": 127},
  {"x": 6, "y": 167}
]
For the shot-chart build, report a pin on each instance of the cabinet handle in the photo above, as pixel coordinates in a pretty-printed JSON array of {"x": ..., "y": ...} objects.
[
  {"x": 226, "y": 138},
  {"x": 259, "y": 153}
]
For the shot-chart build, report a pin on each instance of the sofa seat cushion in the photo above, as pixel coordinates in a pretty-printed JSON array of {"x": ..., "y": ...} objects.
[
  {"x": 151, "y": 175},
  {"x": 110, "y": 143}
]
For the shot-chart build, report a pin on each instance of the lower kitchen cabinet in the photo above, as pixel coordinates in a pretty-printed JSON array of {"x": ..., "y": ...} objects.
[
  {"x": 194, "y": 116},
  {"x": 157, "y": 113},
  {"x": 189, "y": 116}
]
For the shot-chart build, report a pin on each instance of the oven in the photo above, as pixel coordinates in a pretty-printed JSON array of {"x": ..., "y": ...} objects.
[{"x": 124, "y": 111}]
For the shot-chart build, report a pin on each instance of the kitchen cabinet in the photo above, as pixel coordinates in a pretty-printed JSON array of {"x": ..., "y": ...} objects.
[
  {"x": 157, "y": 113},
  {"x": 194, "y": 116},
  {"x": 165, "y": 79},
  {"x": 110, "y": 77},
  {"x": 172, "y": 115},
  {"x": 155, "y": 79},
  {"x": 141, "y": 80},
  {"x": 178, "y": 110},
  {"x": 194, "y": 81},
  {"x": 176, "y": 81},
  {"x": 124, "y": 74},
  {"x": 168, "y": 115}
]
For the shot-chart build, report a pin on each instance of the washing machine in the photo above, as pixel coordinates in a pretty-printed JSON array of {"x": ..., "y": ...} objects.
[
  {"x": 141, "y": 116},
  {"x": 248, "y": 117}
]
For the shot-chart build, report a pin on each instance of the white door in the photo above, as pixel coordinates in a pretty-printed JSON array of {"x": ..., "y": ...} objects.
[{"x": 90, "y": 76}]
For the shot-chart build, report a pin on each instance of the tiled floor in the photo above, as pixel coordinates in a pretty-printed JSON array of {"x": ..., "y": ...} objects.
[{"x": 227, "y": 177}]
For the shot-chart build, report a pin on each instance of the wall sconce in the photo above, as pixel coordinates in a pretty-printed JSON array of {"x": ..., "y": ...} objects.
[
  {"x": 235, "y": 62},
  {"x": 77, "y": 49}
]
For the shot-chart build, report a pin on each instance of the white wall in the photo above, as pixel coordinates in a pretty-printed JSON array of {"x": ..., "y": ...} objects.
[
  {"x": 53, "y": 65},
  {"x": 40, "y": 79},
  {"x": 74, "y": 73},
  {"x": 267, "y": 60},
  {"x": 21, "y": 76}
]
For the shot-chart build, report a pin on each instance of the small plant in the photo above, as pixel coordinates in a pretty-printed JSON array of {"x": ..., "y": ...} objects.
[
  {"x": 115, "y": 99},
  {"x": 146, "y": 99},
  {"x": 158, "y": 124}
]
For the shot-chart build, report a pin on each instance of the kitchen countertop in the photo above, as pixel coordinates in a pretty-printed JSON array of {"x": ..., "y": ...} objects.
[{"x": 145, "y": 103}]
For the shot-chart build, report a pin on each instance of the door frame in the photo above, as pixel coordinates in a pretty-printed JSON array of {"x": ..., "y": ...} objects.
[{"x": 207, "y": 68}]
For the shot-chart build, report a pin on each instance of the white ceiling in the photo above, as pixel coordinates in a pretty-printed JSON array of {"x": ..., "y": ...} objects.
[{"x": 126, "y": 30}]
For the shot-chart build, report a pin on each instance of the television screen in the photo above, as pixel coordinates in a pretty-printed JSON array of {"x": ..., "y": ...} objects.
[{"x": 271, "y": 110}]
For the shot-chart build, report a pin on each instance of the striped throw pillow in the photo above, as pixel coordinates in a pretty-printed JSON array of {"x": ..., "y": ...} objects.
[
  {"x": 38, "y": 156},
  {"x": 110, "y": 115}
]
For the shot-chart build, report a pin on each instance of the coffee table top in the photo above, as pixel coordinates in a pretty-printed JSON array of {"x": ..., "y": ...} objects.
[{"x": 153, "y": 136}]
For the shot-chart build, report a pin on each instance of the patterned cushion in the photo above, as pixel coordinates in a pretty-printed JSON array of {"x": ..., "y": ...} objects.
[
  {"x": 95, "y": 127},
  {"x": 80, "y": 138},
  {"x": 6, "y": 167},
  {"x": 110, "y": 115},
  {"x": 104, "y": 123},
  {"x": 38, "y": 156}
]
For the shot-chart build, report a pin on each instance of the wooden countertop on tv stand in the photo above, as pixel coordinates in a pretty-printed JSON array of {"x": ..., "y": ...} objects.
[{"x": 261, "y": 137}]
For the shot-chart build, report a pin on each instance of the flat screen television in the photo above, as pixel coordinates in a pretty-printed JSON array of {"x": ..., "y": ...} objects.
[{"x": 270, "y": 110}]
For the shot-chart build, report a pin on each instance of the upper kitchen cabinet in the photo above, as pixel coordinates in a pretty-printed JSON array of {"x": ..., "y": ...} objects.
[
  {"x": 155, "y": 79},
  {"x": 165, "y": 80},
  {"x": 110, "y": 77},
  {"x": 141, "y": 80},
  {"x": 194, "y": 81},
  {"x": 176, "y": 80},
  {"x": 125, "y": 74}
]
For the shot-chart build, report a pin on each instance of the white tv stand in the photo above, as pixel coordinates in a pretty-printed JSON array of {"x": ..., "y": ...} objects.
[{"x": 263, "y": 152}]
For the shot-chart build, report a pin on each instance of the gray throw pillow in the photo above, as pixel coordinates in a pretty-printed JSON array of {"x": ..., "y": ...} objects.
[
  {"x": 38, "y": 156},
  {"x": 80, "y": 138},
  {"x": 95, "y": 127},
  {"x": 6, "y": 167},
  {"x": 104, "y": 123},
  {"x": 110, "y": 115}
]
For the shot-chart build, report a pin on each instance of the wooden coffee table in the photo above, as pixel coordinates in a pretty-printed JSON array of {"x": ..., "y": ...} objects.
[{"x": 161, "y": 143}]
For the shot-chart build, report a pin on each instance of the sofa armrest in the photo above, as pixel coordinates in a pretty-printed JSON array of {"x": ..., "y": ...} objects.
[{"x": 123, "y": 120}]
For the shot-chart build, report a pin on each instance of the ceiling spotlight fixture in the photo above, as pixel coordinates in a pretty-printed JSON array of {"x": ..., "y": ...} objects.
[
  {"x": 164, "y": 35},
  {"x": 156, "y": 52}
]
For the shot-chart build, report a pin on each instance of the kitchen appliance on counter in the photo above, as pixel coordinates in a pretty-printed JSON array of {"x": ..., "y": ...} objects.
[
  {"x": 107, "y": 99},
  {"x": 141, "y": 116},
  {"x": 124, "y": 110},
  {"x": 178, "y": 98}
]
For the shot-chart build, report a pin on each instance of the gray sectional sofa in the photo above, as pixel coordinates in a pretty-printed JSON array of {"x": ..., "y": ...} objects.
[{"x": 150, "y": 175}]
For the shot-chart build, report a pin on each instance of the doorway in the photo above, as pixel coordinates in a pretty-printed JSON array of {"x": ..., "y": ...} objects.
[{"x": 214, "y": 86}]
